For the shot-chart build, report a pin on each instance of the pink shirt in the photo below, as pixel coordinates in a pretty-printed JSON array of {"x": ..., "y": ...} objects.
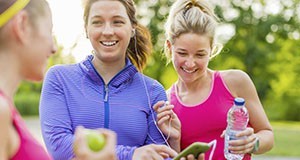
[
  {"x": 29, "y": 148},
  {"x": 206, "y": 121}
]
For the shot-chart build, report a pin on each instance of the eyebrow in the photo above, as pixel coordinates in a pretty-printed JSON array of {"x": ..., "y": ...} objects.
[
  {"x": 200, "y": 50},
  {"x": 116, "y": 16}
]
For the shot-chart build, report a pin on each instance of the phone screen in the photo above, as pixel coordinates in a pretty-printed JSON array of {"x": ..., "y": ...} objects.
[{"x": 195, "y": 148}]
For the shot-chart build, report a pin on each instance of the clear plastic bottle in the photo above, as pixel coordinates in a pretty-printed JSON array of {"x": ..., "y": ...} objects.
[{"x": 237, "y": 120}]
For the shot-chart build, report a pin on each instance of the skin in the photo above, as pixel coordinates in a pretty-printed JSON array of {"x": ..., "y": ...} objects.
[
  {"x": 109, "y": 30},
  {"x": 190, "y": 57},
  {"x": 26, "y": 62},
  {"x": 84, "y": 153}
]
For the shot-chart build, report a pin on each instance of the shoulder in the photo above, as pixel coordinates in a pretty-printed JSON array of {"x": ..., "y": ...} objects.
[
  {"x": 235, "y": 79},
  {"x": 62, "y": 68},
  {"x": 234, "y": 75},
  {"x": 150, "y": 82}
]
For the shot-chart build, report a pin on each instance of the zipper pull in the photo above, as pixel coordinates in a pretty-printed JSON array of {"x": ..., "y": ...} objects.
[{"x": 106, "y": 93}]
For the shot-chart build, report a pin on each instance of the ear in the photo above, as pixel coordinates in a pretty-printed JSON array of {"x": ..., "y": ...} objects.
[
  {"x": 169, "y": 45},
  {"x": 21, "y": 26}
]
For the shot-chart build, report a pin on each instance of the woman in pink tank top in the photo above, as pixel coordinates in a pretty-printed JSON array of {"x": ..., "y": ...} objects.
[
  {"x": 201, "y": 97},
  {"x": 26, "y": 42}
]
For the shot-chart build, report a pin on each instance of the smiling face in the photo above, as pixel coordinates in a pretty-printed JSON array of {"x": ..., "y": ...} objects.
[
  {"x": 109, "y": 30},
  {"x": 190, "y": 56}
]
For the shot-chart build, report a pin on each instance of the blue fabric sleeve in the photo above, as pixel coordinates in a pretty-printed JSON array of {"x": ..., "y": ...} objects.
[
  {"x": 157, "y": 93},
  {"x": 55, "y": 119}
]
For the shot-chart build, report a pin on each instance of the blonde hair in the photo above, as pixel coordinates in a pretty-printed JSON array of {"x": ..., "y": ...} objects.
[
  {"x": 140, "y": 46},
  {"x": 191, "y": 16},
  {"x": 34, "y": 8}
]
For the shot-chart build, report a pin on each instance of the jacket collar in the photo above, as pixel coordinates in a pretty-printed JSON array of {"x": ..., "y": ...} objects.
[{"x": 124, "y": 76}]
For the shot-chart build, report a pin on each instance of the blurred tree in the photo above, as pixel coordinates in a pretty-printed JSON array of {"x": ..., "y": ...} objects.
[{"x": 260, "y": 37}]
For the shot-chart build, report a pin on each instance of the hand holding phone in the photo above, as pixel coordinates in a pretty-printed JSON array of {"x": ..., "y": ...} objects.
[{"x": 196, "y": 148}]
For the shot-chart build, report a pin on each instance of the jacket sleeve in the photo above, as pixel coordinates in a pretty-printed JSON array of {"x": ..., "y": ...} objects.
[
  {"x": 125, "y": 152},
  {"x": 55, "y": 120},
  {"x": 157, "y": 93}
]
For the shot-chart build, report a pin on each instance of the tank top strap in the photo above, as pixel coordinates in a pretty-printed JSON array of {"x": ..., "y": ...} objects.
[{"x": 220, "y": 87}]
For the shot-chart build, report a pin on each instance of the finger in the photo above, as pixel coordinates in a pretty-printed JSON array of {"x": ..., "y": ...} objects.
[
  {"x": 223, "y": 134},
  {"x": 163, "y": 120},
  {"x": 190, "y": 157},
  {"x": 158, "y": 105},
  {"x": 201, "y": 156},
  {"x": 165, "y": 149},
  {"x": 247, "y": 132},
  {"x": 165, "y": 107},
  {"x": 163, "y": 114}
]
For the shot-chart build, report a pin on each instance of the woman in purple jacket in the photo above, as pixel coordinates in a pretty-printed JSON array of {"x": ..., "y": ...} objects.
[{"x": 107, "y": 89}]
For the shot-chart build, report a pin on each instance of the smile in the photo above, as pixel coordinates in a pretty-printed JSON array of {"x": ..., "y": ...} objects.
[
  {"x": 188, "y": 71},
  {"x": 109, "y": 43}
]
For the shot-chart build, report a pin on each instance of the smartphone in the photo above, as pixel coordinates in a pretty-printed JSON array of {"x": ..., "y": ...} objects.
[{"x": 195, "y": 148}]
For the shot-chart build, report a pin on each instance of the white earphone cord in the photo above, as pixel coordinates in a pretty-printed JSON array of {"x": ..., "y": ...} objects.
[
  {"x": 154, "y": 120},
  {"x": 214, "y": 144}
]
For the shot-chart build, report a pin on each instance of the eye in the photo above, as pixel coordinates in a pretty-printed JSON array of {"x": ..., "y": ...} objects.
[
  {"x": 96, "y": 22},
  {"x": 201, "y": 55},
  {"x": 118, "y": 22},
  {"x": 181, "y": 53}
]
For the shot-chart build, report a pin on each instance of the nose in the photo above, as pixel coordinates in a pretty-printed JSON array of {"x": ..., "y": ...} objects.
[
  {"x": 190, "y": 62},
  {"x": 108, "y": 30}
]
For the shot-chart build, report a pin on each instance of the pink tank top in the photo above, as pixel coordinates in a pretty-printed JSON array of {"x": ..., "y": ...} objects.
[
  {"x": 29, "y": 148},
  {"x": 206, "y": 121}
]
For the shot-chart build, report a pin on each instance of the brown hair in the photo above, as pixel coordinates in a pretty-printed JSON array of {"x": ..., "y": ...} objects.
[{"x": 140, "y": 45}]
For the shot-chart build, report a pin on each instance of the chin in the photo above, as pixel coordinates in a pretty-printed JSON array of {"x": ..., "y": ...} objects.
[{"x": 36, "y": 78}]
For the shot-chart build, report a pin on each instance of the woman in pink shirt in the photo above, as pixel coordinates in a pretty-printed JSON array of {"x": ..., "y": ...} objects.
[
  {"x": 26, "y": 43},
  {"x": 201, "y": 97}
]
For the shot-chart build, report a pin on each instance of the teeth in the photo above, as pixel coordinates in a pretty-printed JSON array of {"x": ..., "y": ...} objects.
[
  {"x": 189, "y": 71},
  {"x": 111, "y": 43}
]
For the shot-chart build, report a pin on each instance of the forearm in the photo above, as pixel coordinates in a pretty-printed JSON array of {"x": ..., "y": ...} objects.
[{"x": 266, "y": 141}]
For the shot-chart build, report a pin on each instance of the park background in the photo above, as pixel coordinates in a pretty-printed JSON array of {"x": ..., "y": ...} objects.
[{"x": 260, "y": 37}]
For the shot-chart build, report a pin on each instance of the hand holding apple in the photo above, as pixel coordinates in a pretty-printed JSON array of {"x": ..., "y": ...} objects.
[{"x": 95, "y": 140}]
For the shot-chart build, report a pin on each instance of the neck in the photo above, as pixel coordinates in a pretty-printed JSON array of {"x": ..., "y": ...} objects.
[
  {"x": 9, "y": 72},
  {"x": 196, "y": 85},
  {"x": 108, "y": 70}
]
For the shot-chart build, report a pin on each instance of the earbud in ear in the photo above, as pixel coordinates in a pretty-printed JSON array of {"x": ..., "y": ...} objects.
[{"x": 132, "y": 32}]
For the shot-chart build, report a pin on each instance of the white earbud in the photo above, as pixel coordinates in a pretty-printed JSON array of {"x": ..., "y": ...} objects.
[{"x": 132, "y": 32}]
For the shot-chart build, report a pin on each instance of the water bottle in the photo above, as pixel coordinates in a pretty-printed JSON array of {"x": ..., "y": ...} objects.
[{"x": 237, "y": 120}]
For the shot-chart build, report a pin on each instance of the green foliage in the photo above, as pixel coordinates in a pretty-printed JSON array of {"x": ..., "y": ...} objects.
[
  {"x": 265, "y": 45},
  {"x": 27, "y": 104},
  {"x": 27, "y": 96}
]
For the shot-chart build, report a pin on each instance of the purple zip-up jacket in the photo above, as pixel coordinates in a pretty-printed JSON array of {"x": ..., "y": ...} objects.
[{"x": 75, "y": 94}]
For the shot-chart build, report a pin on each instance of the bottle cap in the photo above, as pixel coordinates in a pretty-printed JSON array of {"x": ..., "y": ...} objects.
[{"x": 239, "y": 101}]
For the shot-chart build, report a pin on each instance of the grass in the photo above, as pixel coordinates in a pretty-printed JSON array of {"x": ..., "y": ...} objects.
[{"x": 287, "y": 139}]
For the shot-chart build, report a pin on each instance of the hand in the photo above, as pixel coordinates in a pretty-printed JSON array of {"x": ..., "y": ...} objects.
[
  {"x": 244, "y": 145},
  {"x": 153, "y": 152},
  {"x": 82, "y": 151},
  {"x": 191, "y": 157},
  {"x": 167, "y": 120}
]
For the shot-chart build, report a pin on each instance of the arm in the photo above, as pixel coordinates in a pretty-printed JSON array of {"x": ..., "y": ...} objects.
[
  {"x": 241, "y": 85},
  {"x": 169, "y": 124},
  {"x": 5, "y": 123},
  {"x": 55, "y": 121}
]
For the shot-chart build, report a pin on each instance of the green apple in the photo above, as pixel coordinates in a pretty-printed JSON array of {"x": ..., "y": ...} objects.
[{"x": 95, "y": 140}]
